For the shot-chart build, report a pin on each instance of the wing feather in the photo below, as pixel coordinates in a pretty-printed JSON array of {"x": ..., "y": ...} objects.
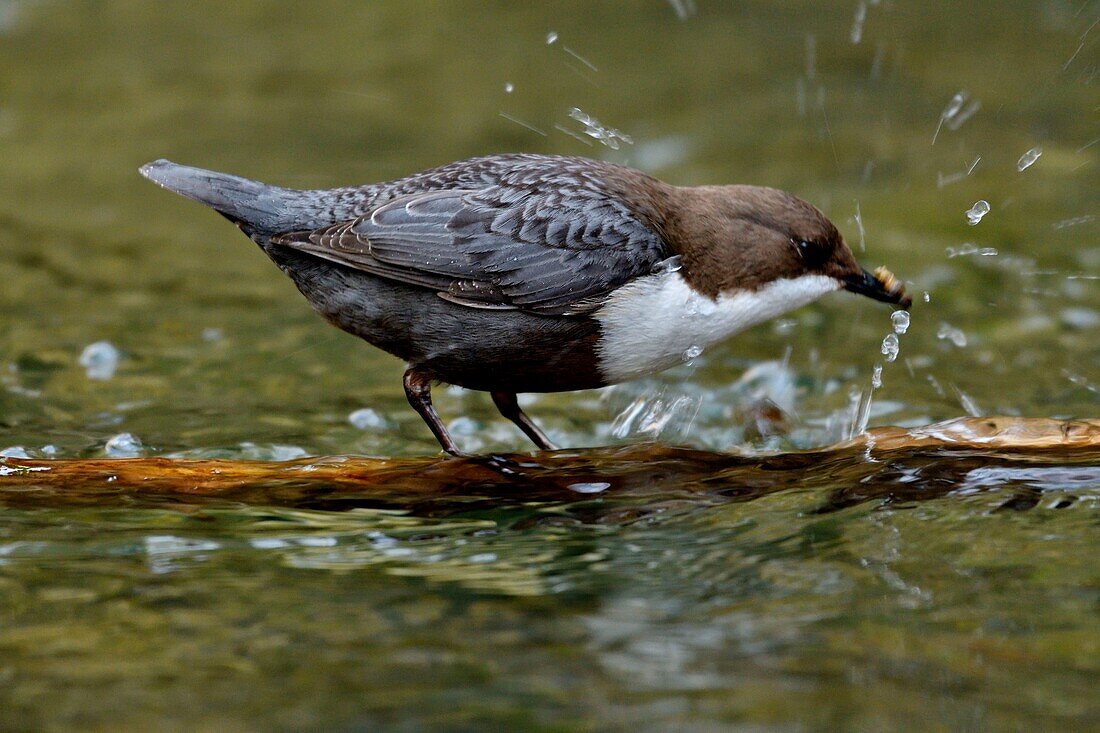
[{"x": 554, "y": 247}]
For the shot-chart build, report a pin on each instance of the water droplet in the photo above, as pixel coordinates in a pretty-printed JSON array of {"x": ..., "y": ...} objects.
[
  {"x": 594, "y": 487},
  {"x": 977, "y": 211},
  {"x": 927, "y": 296},
  {"x": 784, "y": 326},
  {"x": 891, "y": 345},
  {"x": 366, "y": 418},
  {"x": 900, "y": 321},
  {"x": 608, "y": 136},
  {"x": 1028, "y": 159},
  {"x": 967, "y": 402},
  {"x": 857, "y": 24},
  {"x": 551, "y": 38},
  {"x": 876, "y": 377},
  {"x": 1075, "y": 221},
  {"x": 692, "y": 353},
  {"x": 970, "y": 249},
  {"x": 947, "y": 332},
  {"x": 954, "y": 115},
  {"x": 123, "y": 445},
  {"x": 100, "y": 360},
  {"x": 672, "y": 264},
  {"x": 954, "y": 105},
  {"x": 509, "y": 87}
]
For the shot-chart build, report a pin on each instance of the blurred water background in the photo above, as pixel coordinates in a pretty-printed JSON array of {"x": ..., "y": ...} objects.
[{"x": 954, "y": 142}]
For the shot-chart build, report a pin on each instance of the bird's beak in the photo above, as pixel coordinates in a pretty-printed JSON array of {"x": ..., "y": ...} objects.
[{"x": 879, "y": 285}]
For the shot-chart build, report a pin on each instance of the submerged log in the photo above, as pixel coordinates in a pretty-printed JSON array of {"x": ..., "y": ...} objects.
[{"x": 874, "y": 464}]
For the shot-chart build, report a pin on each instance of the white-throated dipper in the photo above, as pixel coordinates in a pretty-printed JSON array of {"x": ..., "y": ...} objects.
[{"x": 538, "y": 273}]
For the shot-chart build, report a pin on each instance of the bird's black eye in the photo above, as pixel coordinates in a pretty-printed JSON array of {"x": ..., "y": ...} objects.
[{"x": 813, "y": 253}]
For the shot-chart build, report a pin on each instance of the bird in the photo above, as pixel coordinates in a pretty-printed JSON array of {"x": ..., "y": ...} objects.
[{"x": 518, "y": 273}]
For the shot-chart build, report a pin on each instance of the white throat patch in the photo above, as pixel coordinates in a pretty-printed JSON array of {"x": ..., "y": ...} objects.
[{"x": 649, "y": 324}]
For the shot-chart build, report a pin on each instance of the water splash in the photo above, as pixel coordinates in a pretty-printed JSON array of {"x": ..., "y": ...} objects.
[
  {"x": 969, "y": 249},
  {"x": 1072, "y": 222},
  {"x": 608, "y": 136},
  {"x": 509, "y": 87},
  {"x": 876, "y": 375},
  {"x": 692, "y": 353},
  {"x": 1028, "y": 159},
  {"x": 942, "y": 180},
  {"x": 521, "y": 123},
  {"x": 100, "y": 360},
  {"x": 977, "y": 212},
  {"x": 862, "y": 232},
  {"x": 366, "y": 419},
  {"x": 668, "y": 265},
  {"x": 900, "y": 321},
  {"x": 594, "y": 487},
  {"x": 684, "y": 9},
  {"x": 947, "y": 332},
  {"x": 652, "y": 412},
  {"x": 124, "y": 445},
  {"x": 857, "y": 23},
  {"x": 967, "y": 402},
  {"x": 949, "y": 111},
  {"x": 891, "y": 346},
  {"x": 551, "y": 38}
]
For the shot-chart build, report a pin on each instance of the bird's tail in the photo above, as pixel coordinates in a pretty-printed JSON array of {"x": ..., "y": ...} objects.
[{"x": 256, "y": 207}]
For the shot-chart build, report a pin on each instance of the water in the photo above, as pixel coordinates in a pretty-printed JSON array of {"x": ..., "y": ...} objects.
[
  {"x": 900, "y": 321},
  {"x": 123, "y": 445},
  {"x": 977, "y": 212},
  {"x": 365, "y": 418},
  {"x": 100, "y": 360},
  {"x": 608, "y": 136},
  {"x": 856, "y": 34},
  {"x": 947, "y": 332},
  {"x": 851, "y": 591},
  {"x": 970, "y": 249},
  {"x": 891, "y": 345},
  {"x": 1028, "y": 159}
]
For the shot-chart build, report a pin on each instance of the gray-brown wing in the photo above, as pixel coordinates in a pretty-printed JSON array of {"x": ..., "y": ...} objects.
[{"x": 557, "y": 252}]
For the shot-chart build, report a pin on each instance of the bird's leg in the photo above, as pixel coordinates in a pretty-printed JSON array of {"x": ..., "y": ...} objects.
[
  {"x": 418, "y": 388},
  {"x": 509, "y": 407}
]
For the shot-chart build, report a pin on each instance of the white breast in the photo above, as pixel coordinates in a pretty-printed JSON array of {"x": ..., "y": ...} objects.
[{"x": 649, "y": 324}]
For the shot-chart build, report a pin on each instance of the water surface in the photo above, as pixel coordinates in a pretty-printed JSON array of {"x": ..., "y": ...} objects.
[{"x": 967, "y": 601}]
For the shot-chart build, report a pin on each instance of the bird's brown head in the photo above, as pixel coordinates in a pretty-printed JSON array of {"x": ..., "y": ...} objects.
[{"x": 744, "y": 237}]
